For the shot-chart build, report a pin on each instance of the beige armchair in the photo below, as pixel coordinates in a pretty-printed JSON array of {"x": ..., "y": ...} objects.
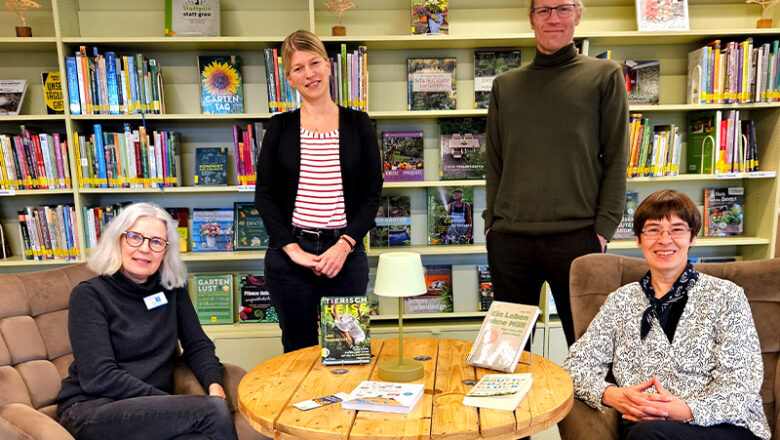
[
  {"x": 35, "y": 354},
  {"x": 595, "y": 276}
]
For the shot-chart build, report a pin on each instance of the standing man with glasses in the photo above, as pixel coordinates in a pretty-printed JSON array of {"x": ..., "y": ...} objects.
[{"x": 557, "y": 149}]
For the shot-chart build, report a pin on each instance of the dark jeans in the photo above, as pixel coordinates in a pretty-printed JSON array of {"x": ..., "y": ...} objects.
[
  {"x": 296, "y": 291},
  {"x": 178, "y": 417},
  {"x": 519, "y": 265},
  {"x": 673, "y": 430}
]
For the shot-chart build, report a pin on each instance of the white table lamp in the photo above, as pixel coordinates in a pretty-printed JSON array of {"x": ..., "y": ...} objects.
[{"x": 400, "y": 274}]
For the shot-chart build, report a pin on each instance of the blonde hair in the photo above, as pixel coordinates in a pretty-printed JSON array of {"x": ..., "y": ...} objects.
[
  {"x": 106, "y": 258},
  {"x": 301, "y": 40}
]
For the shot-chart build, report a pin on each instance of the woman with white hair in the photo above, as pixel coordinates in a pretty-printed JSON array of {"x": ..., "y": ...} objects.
[{"x": 125, "y": 326}]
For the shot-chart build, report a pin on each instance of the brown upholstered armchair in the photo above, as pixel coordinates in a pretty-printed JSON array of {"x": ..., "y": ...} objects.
[
  {"x": 35, "y": 354},
  {"x": 595, "y": 276}
]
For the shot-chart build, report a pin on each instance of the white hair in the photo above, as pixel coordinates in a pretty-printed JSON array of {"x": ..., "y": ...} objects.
[{"x": 106, "y": 258}]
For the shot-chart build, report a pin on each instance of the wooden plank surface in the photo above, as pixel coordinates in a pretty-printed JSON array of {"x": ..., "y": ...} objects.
[
  {"x": 415, "y": 425},
  {"x": 451, "y": 419},
  {"x": 266, "y": 395},
  {"x": 265, "y": 391},
  {"x": 553, "y": 393},
  {"x": 330, "y": 422}
]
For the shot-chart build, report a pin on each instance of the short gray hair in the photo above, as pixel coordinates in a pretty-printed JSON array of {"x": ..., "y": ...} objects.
[{"x": 106, "y": 258}]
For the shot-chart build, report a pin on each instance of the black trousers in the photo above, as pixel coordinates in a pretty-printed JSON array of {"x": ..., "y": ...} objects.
[
  {"x": 296, "y": 291},
  {"x": 179, "y": 417},
  {"x": 520, "y": 264},
  {"x": 673, "y": 430}
]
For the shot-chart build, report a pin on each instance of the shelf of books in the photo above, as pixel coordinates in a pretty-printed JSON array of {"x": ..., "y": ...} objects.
[{"x": 167, "y": 134}]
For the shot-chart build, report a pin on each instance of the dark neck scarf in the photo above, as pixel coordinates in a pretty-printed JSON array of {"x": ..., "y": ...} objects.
[{"x": 659, "y": 307}]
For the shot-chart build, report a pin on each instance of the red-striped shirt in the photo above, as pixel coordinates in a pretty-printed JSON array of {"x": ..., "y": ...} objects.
[{"x": 319, "y": 203}]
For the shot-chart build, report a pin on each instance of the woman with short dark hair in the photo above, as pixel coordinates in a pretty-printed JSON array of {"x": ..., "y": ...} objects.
[{"x": 682, "y": 345}]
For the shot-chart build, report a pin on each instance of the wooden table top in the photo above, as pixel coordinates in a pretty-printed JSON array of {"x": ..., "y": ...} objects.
[{"x": 266, "y": 395}]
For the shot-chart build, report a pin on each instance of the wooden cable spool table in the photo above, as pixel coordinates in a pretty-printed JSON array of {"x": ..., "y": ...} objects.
[{"x": 266, "y": 395}]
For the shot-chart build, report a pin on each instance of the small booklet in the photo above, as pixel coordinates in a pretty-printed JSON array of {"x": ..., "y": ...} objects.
[
  {"x": 384, "y": 397},
  {"x": 499, "y": 391}
]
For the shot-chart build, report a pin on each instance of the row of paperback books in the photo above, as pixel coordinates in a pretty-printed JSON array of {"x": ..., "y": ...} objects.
[
  {"x": 33, "y": 160},
  {"x": 240, "y": 228},
  {"x": 721, "y": 143},
  {"x": 246, "y": 145},
  {"x": 654, "y": 151},
  {"x": 734, "y": 73},
  {"x": 133, "y": 158},
  {"x": 113, "y": 84},
  {"x": 722, "y": 214},
  {"x": 49, "y": 232},
  {"x": 227, "y": 298}
]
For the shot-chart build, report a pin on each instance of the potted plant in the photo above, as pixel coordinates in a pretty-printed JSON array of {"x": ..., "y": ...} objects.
[{"x": 211, "y": 231}]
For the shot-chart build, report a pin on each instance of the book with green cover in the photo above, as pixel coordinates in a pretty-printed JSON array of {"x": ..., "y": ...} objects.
[
  {"x": 249, "y": 232},
  {"x": 431, "y": 83},
  {"x": 221, "y": 84},
  {"x": 488, "y": 64},
  {"x": 344, "y": 330},
  {"x": 703, "y": 141},
  {"x": 210, "y": 166},
  {"x": 212, "y": 295}
]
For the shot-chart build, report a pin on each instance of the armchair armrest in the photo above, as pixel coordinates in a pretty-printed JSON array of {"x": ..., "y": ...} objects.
[
  {"x": 19, "y": 421},
  {"x": 584, "y": 422},
  {"x": 184, "y": 382}
]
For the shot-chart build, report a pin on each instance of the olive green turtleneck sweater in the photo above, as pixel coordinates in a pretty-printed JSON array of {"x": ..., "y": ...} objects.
[{"x": 557, "y": 146}]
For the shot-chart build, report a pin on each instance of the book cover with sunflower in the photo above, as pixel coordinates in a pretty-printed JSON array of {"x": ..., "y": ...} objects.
[{"x": 221, "y": 84}]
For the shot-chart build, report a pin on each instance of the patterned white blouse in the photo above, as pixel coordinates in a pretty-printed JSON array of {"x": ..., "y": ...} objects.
[{"x": 713, "y": 363}]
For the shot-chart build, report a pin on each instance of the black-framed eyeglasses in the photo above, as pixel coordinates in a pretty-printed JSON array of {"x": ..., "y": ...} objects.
[
  {"x": 135, "y": 239},
  {"x": 564, "y": 11},
  {"x": 677, "y": 232}
]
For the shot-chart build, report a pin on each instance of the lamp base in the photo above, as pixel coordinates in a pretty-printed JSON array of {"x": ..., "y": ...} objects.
[{"x": 398, "y": 370}]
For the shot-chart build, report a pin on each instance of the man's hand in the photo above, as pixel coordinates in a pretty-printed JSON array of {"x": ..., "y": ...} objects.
[
  {"x": 635, "y": 405},
  {"x": 216, "y": 389},
  {"x": 603, "y": 242},
  {"x": 332, "y": 260}
]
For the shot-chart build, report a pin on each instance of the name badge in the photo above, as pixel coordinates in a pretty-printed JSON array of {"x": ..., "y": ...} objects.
[{"x": 156, "y": 300}]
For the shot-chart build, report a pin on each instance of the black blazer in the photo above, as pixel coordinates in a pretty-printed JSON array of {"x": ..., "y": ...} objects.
[{"x": 279, "y": 166}]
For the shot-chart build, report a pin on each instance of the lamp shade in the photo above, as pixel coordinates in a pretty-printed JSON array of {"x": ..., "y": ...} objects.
[{"x": 400, "y": 274}]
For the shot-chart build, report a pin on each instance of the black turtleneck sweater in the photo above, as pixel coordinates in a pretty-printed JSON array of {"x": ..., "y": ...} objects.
[
  {"x": 557, "y": 146},
  {"x": 122, "y": 350}
]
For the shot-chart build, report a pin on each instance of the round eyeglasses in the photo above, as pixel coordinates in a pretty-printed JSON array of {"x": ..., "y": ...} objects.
[
  {"x": 135, "y": 239},
  {"x": 564, "y": 11},
  {"x": 677, "y": 232}
]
